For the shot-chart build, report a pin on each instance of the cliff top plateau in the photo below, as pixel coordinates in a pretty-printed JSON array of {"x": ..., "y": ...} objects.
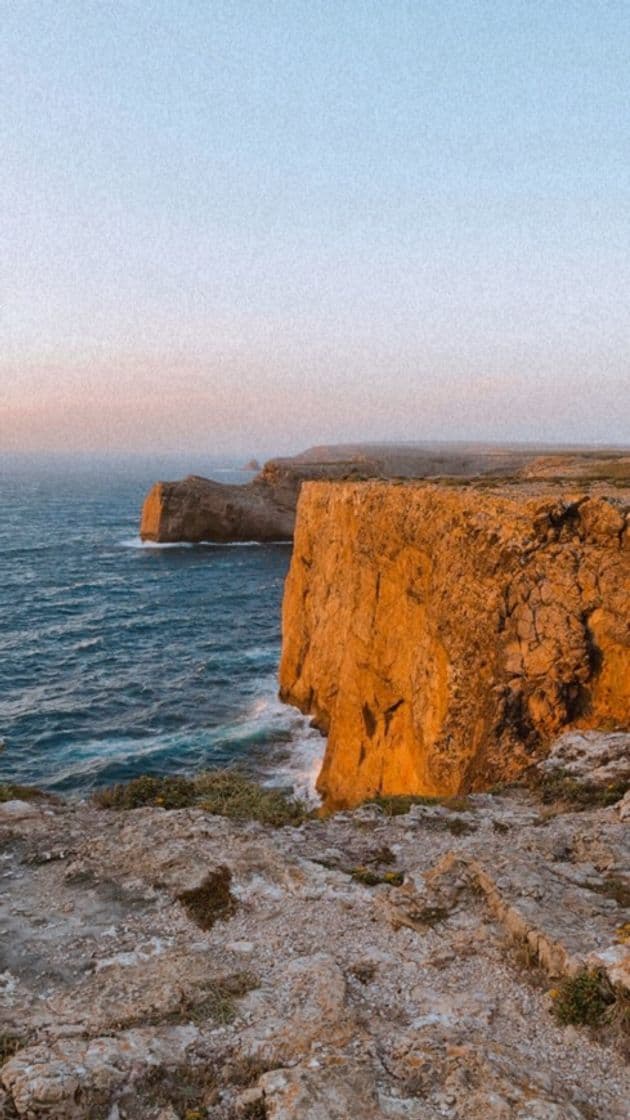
[
  {"x": 465, "y": 960},
  {"x": 195, "y": 509}
]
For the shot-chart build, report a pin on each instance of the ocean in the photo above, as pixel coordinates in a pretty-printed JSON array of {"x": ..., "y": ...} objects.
[{"x": 118, "y": 658}]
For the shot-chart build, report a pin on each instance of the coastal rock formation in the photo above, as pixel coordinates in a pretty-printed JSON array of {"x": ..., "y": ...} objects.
[
  {"x": 199, "y": 509},
  {"x": 371, "y": 965},
  {"x": 443, "y": 635}
]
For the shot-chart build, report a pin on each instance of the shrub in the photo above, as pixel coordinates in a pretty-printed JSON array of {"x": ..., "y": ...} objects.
[
  {"x": 230, "y": 794},
  {"x": 223, "y": 792},
  {"x": 583, "y": 999},
  {"x": 398, "y": 806},
  {"x": 371, "y": 878},
  {"x": 211, "y": 900},
  {"x": 10, "y": 792},
  {"x": 168, "y": 793}
]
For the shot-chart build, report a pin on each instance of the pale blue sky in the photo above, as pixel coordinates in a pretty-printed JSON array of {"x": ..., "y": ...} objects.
[{"x": 266, "y": 224}]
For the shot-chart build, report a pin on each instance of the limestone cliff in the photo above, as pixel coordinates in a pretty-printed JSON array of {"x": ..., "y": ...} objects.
[
  {"x": 443, "y": 635},
  {"x": 196, "y": 509},
  {"x": 199, "y": 509}
]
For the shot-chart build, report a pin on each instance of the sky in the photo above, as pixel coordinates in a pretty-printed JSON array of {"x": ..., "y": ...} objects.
[{"x": 250, "y": 226}]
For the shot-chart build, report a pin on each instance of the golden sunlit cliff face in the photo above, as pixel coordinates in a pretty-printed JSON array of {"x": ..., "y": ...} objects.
[{"x": 443, "y": 635}]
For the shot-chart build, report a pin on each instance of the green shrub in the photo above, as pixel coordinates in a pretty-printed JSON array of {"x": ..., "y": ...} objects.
[
  {"x": 230, "y": 794},
  {"x": 10, "y": 792},
  {"x": 583, "y": 999},
  {"x": 399, "y": 806},
  {"x": 168, "y": 793},
  {"x": 223, "y": 792}
]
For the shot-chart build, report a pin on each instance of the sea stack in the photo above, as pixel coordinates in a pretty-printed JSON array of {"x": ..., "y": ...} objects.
[{"x": 444, "y": 635}]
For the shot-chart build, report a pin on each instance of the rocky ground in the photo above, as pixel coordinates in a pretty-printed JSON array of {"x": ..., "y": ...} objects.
[{"x": 176, "y": 964}]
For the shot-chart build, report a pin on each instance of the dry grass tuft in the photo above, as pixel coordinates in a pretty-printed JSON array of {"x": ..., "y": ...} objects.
[
  {"x": 563, "y": 791},
  {"x": 10, "y": 792}
]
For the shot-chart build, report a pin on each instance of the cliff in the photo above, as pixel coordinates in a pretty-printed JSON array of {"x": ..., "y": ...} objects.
[
  {"x": 199, "y": 509},
  {"x": 443, "y": 635}
]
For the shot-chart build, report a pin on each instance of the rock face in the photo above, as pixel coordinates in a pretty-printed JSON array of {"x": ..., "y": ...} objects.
[
  {"x": 443, "y": 635},
  {"x": 198, "y": 509}
]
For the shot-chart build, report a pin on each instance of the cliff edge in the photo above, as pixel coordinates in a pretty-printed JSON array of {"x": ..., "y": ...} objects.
[
  {"x": 199, "y": 509},
  {"x": 443, "y": 635}
]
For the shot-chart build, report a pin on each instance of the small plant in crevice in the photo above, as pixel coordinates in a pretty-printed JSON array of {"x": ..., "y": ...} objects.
[
  {"x": 10, "y": 1043},
  {"x": 459, "y": 827},
  {"x": 583, "y": 1000},
  {"x": 188, "y": 1090},
  {"x": 255, "y": 1110},
  {"x": 370, "y": 878},
  {"x": 211, "y": 901},
  {"x": 363, "y": 971},
  {"x": 615, "y": 888}
]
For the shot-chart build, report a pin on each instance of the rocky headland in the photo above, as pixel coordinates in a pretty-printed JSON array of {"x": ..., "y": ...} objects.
[
  {"x": 463, "y": 959},
  {"x": 197, "y": 509},
  {"x": 449, "y": 935},
  {"x": 442, "y": 635}
]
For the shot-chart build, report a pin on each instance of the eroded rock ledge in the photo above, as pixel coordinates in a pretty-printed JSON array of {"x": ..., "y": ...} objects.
[
  {"x": 367, "y": 965},
  {"x": 442, "y": 635}
]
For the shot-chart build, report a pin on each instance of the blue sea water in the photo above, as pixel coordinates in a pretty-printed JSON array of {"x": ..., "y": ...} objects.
[{"x": 118, "y": 659}]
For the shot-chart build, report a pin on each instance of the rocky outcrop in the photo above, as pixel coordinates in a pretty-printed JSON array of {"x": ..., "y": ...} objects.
[
  {"x": 602, "y": 759},
  {"x": 442, "y": 636},
  {"x": 370, "y": 966},
  {"x": 199, "y": 509}
]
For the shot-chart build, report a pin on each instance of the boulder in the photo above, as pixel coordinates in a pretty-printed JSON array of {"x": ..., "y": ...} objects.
[{"x": 597, "y": 758}]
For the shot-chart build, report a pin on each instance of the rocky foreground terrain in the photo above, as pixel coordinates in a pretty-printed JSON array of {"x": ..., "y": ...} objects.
[{"x": 177, "y": 964}]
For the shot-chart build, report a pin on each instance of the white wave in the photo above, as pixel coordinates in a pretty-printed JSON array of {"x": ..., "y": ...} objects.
[
  {"x": 240, "y": 544},
  {"x": 229, "y": 544},
  {"x": 137, "y": 542},
  {"x": 302, "y": 757},
  {"x": 302, "y": 767}
]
